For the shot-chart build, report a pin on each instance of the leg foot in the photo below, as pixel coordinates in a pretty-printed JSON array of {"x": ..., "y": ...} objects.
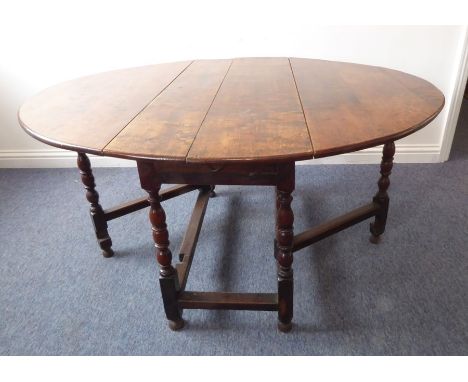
[
  {"x": 108, "y": 253},
  {"x": 176, "y": 325},
  {"x": 105, "y": 243},
  {"x": 283, "y": 250},
  {"x": 212, "y": 192},
  {"x": 103, "y": 238},
  {"x": 375, "y": 239},
  {"x": 377, "y": 228},
  {"x": 95, "y": 210},
  {"x": 168, "y": 279},
  {"x": 284, "y": 328}
]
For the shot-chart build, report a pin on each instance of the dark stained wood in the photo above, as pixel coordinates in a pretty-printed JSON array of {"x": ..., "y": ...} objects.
[
  {"x": 172, "y": 192},
  {"x": 140, "y": 203},
  {"x": 87, "y": 113},
  {"x": 243, "y": 110},
  {"x": 275, "y": 243},
  {"x": 206, "y": 174},
  {"x": 167, "y": 275},
  {"x": 419, "y": 87},
  {"x": 377, "y": 228},
  {"x": 152, "y": 174},
  {"x": 350, "y": 107},
  {"x": 100, "y": 217},
  {"x": 240, "y": 122},
  {"x": 97, "y": 213},
  {"x": 126, "y": 208},
  {"x": 227, "y": 300},
  {"x": 212, "y": 191},
  {"x": 256, "y": 115},
  {"x": 311, "y": 236},
  {"x": 167, "y": 127},
  {"x": 189, "y": 243},
  {"x": 284, "y": 249}
]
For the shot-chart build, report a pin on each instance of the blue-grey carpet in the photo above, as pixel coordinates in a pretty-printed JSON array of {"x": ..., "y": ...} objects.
[{"x": 405, "y": 296}]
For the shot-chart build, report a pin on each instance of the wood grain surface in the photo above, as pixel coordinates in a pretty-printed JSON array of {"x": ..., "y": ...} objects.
[
  {"x": 240, "y": 110},
  {"x": 256, "y": 115},
  {"x": 168, "y": 126},
  {"x": 350, "y": 107},
  {"x": 87, "y": 113}
]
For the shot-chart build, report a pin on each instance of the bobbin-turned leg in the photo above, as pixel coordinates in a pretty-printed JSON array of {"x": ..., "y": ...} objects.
[
  {"x": 212, "y": 191},
  {"x": 168, "y": 279},
  {"x": 275, "y": 243},
  {"x": 377, "y": 228},
  {"x": 96, "y": 211},
  {"x": 284, "y": 254}
]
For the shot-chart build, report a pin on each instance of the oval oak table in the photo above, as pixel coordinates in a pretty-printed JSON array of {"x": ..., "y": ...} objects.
[{"x": 243, "y": 121}]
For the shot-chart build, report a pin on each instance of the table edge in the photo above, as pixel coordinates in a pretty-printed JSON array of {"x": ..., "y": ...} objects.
[{"x": 281, "y": 158}]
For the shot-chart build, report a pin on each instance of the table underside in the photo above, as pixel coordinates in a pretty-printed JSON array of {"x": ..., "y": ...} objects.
[{"x": 204, "y": 178}]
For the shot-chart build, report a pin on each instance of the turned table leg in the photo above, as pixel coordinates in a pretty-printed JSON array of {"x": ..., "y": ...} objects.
[
  {"x": 284, "y": 254},
  {"x": 168, "y": 279},
  {"x": 275, "y": 243},
  {"x": 377, "y": 228},
  {"x": 212, "y": 191},
  {"x": 96, "y": 211}
]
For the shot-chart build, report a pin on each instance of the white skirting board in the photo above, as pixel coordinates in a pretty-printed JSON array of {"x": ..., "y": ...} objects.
[{"x": 55, "y": 158}]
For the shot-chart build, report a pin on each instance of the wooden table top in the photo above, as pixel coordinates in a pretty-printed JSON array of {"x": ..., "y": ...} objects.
[{"x": 246, "y": 109}]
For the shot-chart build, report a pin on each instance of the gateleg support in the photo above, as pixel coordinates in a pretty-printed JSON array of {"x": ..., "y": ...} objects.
[
  {"x": 96, "y": 212},
  {"x": 284, "y": 247},
  {"x": 168, "y": 278},
  {"x": 381, "y": 198}
]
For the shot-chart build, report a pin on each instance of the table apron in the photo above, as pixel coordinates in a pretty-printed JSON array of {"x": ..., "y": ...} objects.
[{"x": 203, "y": 174}]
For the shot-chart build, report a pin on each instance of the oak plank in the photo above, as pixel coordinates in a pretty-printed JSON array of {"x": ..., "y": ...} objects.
[
  {"x": 86, "y": 113},
  {"x": 258, "y": 109},
  {"x": 190, "y": 240},
  {"x": 349, "y": 107},
  {"x": 330, "y": 227},
  {"x": 228, "y": 301},
  {"x": 143, "y": 202},
  {"x": 256, "y": 115},
  {"x": 167, "y": 127}
]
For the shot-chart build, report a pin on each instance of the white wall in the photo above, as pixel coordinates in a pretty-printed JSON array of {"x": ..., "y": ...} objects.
[{"x": 45, "y": 42}]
